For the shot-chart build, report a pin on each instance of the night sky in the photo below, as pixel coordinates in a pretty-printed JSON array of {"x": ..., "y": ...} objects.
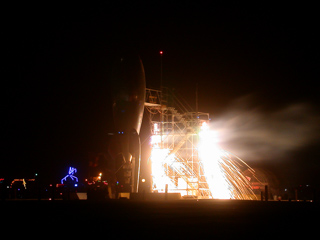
[{"x": 256, "y": 66}]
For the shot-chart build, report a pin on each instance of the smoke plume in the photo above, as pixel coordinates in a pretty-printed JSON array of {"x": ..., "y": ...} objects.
[{"x": 255, "y": 133}]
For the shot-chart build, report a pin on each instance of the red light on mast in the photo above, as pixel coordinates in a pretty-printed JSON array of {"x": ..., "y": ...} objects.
[{"x": 161, "y": 52}]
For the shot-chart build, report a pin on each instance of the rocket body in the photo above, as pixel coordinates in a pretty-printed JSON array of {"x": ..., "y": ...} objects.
[{"x": 128, "y": 106}]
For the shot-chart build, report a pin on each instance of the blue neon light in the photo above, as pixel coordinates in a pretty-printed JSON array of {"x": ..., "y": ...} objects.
[{"x": 72, "y": 171}]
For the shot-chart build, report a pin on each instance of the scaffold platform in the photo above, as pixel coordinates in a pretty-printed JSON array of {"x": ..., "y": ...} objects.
[{"x": 174, "y": 130}]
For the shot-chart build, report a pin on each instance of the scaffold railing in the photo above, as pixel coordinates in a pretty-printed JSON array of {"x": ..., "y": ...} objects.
[{"x": 176, "y": 126}]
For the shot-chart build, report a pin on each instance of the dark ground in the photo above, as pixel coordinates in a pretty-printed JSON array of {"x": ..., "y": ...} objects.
[{"x": 188, "y": 219}]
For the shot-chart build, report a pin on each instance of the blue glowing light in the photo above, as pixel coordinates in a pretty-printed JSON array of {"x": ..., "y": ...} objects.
[{"x": 72, "y": 171}]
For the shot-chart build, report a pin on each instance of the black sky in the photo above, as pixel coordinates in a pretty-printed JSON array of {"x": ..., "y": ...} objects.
[{"x": 57, "y": 103}]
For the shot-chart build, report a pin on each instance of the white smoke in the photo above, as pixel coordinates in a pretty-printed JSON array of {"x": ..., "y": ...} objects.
[{"x": 253, "y": 133}]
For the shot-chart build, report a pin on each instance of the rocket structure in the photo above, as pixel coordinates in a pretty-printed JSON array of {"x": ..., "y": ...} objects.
[{"x": 128, "y": 106}]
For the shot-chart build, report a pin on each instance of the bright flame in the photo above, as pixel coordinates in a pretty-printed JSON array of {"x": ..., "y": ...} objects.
[
  {"x": 221, "y": 169},
  {"x": 210, "y": 156},
  {"x": 159, "y": 157}
]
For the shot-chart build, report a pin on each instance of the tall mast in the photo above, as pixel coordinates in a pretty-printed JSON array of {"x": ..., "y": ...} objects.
[
  {"x": 197, "y": 110},
  {"x": 161, "y": 96}
]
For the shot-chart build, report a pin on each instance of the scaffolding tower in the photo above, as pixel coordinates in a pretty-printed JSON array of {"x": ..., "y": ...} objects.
[{"x": 177, "y": 126}]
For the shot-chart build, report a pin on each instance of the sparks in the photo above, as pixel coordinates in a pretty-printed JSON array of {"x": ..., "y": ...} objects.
[
  {"x": 185, "y": 155},
  {"x": 211, "y": 157},
  {"x": 221, "y": 169}
]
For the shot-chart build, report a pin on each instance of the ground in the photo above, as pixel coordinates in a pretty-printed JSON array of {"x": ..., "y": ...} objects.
[{"x": 183, "y": 219}]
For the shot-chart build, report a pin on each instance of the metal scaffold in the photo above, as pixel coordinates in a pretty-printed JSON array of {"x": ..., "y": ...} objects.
[{"x": 174, "y": 130}]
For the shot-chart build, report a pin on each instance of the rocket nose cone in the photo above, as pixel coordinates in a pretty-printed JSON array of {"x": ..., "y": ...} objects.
[
  {"x": 127, "y": 69},
  {"x": 130, "y": 62},
  {"x": 128, "y": 58}
]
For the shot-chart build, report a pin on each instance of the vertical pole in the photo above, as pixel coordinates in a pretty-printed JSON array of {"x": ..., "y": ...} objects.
[
  {"x": 266, "y": 193},
  {"x": 53, "y": 188},
  {"x": 161, "y": 52},
  {"x": 161, "y": 95},
  {"x": 197, "y": 110},
  {"x": 166, "y": 192}
]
